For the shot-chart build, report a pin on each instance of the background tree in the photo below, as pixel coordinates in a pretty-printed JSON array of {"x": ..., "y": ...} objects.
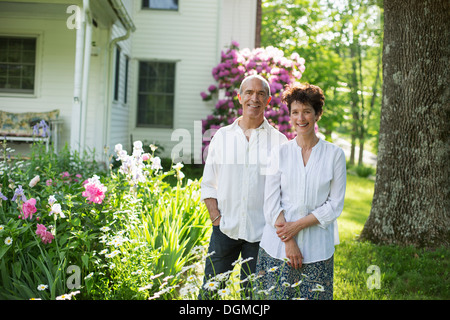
[
  {"x": 341, "y": 40},
  {"x": 411, "y": 204}
]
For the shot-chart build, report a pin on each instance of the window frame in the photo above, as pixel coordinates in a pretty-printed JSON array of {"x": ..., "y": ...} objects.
[
  {"x": 139, "y": 93},
  {"x": 37, "y": 65}
]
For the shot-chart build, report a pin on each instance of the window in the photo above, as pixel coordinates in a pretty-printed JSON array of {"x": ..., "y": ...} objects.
[
  {"x": 160, "y": 4},
  {"x": 17, "y": 65},
  {"x": 156, "y": 94}
]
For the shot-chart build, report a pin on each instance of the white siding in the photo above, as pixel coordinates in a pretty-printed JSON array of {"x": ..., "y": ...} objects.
[
  {"x": 120, "y": 111},
  {"x": 192, "y": 37}
]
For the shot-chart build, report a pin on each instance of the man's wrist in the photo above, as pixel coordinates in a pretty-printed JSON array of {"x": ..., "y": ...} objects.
[{"x": 216, "y": 218}]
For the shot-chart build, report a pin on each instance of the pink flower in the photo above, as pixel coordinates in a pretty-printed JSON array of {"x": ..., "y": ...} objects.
[
  {"x": 95, "y": 190},
  {"x": 145, "y": 157},
  {"x": 49, "y": 182},
  {"x": 65, "y": 174},
  {"x": 46, "y": 236},
  {"x": 28, "y": 208},
  {"x": 41, "y": 229}
]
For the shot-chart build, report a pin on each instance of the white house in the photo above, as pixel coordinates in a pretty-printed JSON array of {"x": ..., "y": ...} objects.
[{"x": 118, "y": 70}]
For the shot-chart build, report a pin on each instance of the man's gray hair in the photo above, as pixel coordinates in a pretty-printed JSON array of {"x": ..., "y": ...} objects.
[{"x": 256, "y": 76}]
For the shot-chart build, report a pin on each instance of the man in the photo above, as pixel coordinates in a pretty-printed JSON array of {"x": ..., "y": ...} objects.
[{"x": 234, "y": 179}]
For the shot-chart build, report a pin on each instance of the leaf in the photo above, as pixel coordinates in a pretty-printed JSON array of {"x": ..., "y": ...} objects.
[
  {"x": 3, "y": 250},
  {"x": 85, "y": 259}
]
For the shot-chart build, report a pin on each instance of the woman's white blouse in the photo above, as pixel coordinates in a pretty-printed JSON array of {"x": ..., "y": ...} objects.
[{"x": 317, "y": 188}]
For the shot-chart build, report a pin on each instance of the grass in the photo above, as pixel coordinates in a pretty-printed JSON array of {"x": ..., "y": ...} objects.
[{"x": 405, "y": 272}]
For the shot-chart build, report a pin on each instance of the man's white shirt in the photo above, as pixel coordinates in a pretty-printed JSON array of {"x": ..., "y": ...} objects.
[{"x": 235, "y": 173}]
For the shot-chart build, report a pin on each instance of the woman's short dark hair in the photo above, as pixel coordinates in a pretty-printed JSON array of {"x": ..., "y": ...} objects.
[{"x": 304, "y": 93}]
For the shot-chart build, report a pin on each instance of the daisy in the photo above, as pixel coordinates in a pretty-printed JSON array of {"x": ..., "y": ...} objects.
[
  {"x": 104, "y": 229},
  {"x": 318, "y": 288},
  {"x": 224, "y": 292},
  {"x": 64, "y": 297},
  {"x": 8, "y": 241},
  {"x": 297, "y": 284},
  {"x": 42, "y": 287},
  {"x": 211, "y": 285},
  {"x": 2, "y": 228},
  {"x": 273, "y": 269},
  {"x": 191, "y": 278}
]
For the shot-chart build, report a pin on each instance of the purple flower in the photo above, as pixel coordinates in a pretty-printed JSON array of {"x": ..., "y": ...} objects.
[
  {"x": 19, "y": 193},
  {"x": 3, "y": 197}
]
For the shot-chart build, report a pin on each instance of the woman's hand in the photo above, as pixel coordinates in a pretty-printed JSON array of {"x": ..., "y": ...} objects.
[
  {"x": 287, "y": 230},
  {"x": 294, "y": 254}
]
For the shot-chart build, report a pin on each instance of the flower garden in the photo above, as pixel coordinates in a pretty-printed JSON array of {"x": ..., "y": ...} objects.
[{"x": 70, "y": 230}]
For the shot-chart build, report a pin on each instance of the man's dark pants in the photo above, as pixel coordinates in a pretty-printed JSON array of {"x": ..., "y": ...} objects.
[{"x": 227, "y": 251}]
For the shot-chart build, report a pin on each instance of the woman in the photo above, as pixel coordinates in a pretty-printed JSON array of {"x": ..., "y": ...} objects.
[{"x": 303, "y": 199}]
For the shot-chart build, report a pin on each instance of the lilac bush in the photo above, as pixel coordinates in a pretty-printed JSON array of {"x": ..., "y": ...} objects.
[{"x": 234, "y": 66}]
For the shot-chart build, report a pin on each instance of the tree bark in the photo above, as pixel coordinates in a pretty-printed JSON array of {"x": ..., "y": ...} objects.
[
  {"x": 258, "y": 23},
  {"x": 411, "y": 203}
]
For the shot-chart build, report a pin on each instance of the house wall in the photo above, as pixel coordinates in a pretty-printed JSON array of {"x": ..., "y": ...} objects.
[
  {"x": 54, "y": 67},
  {"x": 193, "y": 37}
]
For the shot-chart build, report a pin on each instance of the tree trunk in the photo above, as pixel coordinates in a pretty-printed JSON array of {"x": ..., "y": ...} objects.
[
  {"x": 354, "y": 102},
  {"x": 411, "y": 203},
  {"x": 258, "y": 23}
]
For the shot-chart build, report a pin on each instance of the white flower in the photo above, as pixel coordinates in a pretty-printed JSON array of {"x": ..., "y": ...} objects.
[
  {"x": 297, "y": 284},
  {"x": 137, "y": 145},
  {"x": 318, "y": 288},
  {"x": 191, "y": 278},
  {"x": 89, "y": 276},
  {"x": 104, "y": 229},
  {"x": 153, "y": 147},
  {"x": 211, "y": 285},
  {"x": 34, "y": 181},
  {"x": 51, "y": 200},
  {"x": 156, "y": 163},
  {"x": 286, "y": 284},
  {"x": 8, "y": 241},
  {"x": 178, "y": 166},
  {"x": 42, "y": 287},
  {"x": 117, "y": 148},
  {"x": 273, "y": 269},
  {"x": 224, "y": 292},
  {"x": 2, "y": 227},
  {"x": 56, "y": 209},
  {"x": 64, "y": 297}
]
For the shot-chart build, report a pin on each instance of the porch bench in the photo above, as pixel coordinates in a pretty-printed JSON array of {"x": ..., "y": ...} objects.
[{"x": 19, "y": 126}]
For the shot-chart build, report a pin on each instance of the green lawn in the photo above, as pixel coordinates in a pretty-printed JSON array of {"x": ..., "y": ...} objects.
[{"x": 405, "y": 272}]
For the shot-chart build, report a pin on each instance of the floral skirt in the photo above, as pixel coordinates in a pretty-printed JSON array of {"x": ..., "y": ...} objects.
[{"x": 278, "y": 281}]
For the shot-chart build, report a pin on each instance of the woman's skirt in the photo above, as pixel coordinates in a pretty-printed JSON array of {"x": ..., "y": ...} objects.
[{"x": 276, "y": 280}]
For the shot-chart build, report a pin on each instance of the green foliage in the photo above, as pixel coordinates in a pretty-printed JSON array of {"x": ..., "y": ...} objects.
[{"x": 112, "y": 249}]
